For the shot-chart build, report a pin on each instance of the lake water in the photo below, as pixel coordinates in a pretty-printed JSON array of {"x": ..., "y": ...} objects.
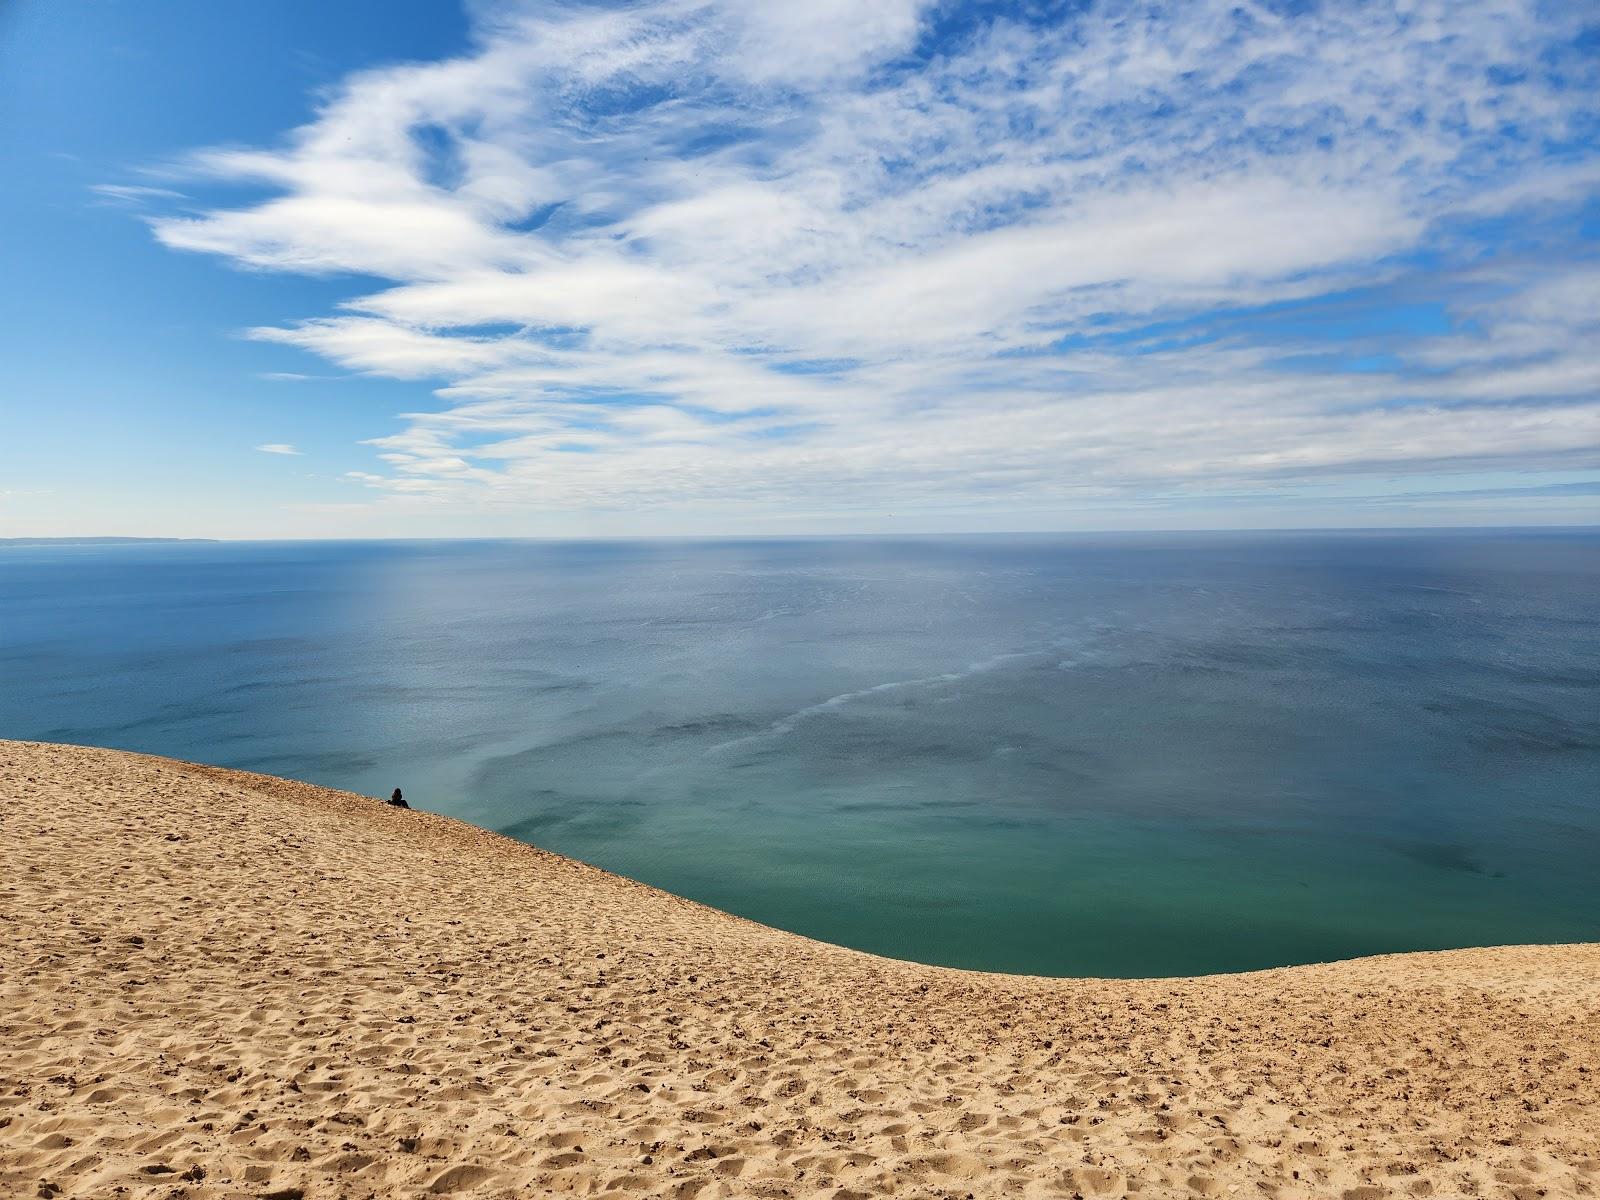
[{"x": 1074, "y": 755}]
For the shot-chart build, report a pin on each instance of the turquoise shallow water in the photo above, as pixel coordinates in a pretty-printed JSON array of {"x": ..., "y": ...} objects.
[{"x": 1121, "y": 756}]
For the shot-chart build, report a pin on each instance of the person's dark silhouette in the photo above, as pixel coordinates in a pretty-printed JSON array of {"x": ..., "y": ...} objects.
[{"x": 398, "y": 800}]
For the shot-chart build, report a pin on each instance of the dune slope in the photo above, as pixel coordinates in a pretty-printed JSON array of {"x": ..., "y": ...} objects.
[{"x": 220, "y": 984}]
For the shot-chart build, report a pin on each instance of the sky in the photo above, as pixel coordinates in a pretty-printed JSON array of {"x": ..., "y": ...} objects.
[{"x": 391, "y": 268}]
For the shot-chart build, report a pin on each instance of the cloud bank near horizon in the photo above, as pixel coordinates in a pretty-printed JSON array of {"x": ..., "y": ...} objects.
[{"x": 725, "y": 256}]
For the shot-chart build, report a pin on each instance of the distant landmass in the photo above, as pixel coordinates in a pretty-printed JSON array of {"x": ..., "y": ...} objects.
[{"x": 94, "y": 541}]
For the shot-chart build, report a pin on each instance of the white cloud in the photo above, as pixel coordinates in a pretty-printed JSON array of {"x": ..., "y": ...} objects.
[
  {"x": 277, "y": 448},
  {"x": 133, "y": 194},
  {"x": 743, "y": 254},
  {"x": 819, "y": 40}
]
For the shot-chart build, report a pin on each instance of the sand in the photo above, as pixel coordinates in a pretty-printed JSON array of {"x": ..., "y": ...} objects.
[{"x": 215, "y": 984}]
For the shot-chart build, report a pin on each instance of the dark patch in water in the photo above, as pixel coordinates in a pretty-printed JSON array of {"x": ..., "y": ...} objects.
[
  {"x": 277, "y": 645},
  {"x": 1442, "y": 855},
  {"x": 284, "y": 685},
  {"x": 722, "y": 724},
  {"x": 1494, "y": 725},
  {"x": 576, "y": 816},
  {"x": 312, "y": 765}
]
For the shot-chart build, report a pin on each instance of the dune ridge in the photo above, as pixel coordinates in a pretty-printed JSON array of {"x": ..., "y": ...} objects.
[{"x": 219, "y": 984}]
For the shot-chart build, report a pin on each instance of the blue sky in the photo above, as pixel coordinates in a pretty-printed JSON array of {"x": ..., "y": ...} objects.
[{"x": 396, "y": 269}]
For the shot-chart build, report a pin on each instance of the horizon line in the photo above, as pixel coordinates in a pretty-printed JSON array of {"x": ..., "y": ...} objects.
[{"x": 158, "y": 539}]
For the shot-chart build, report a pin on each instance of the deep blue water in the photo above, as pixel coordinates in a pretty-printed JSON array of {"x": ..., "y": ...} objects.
[{"x": 1102, "y": 755}]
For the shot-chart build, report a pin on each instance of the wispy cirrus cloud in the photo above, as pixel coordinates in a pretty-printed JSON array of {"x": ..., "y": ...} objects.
[
  {"x": 133, "y": 194},
  {"x": 277, "y": 448},
  {"x": 725, "y": 256}
]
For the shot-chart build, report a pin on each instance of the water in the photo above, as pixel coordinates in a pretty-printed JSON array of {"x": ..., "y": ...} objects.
[{"x": 1087, "y": 755}]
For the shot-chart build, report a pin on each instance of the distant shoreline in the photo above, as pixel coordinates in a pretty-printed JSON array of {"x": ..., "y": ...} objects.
[{"x": 100, "y": 541}]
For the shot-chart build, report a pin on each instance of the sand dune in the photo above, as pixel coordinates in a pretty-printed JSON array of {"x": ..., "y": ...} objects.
[{"x": 215, "y": 984}]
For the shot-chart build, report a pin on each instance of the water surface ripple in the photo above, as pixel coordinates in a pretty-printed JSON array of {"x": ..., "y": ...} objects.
[{"x": 1073, "y": 755}]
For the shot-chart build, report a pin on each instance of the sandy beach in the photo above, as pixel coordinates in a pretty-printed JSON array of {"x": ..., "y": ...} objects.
[{"x": 216, "y": 984}]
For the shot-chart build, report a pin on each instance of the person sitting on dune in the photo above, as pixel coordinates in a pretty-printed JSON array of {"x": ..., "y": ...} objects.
[{"x": 397, "y": 800}]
